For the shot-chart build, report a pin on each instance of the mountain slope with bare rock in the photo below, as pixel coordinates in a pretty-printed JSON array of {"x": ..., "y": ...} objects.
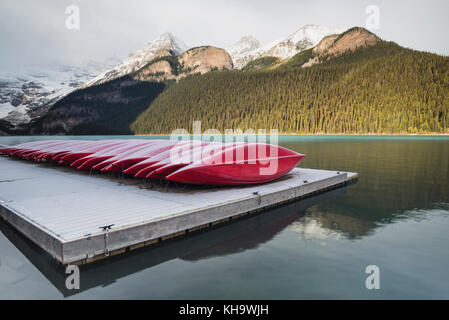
[
  {"x": 109, "y": 106},
  {"x": 353, "y": 82},
  {"x": 28, "y": 94},
  {"x": 316, "y": 80},
  {"x": 166, "y": 44},
  {"x": 336, "y": 45},
  {"x": 305, "y": 38},
  {"x": 197, "y": 60}
]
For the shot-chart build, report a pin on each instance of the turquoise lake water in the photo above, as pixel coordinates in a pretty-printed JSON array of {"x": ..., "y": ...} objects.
[{"x": 395, "y": 217}]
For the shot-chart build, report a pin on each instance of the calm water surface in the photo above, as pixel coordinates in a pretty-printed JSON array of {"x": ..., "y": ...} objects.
[{"x": 395, "y": 217}]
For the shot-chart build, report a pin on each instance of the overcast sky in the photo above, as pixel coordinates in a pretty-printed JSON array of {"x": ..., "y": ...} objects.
[{"x": 35, "y": 31}]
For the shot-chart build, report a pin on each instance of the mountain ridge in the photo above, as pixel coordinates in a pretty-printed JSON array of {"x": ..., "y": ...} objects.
[
  {"x": 16, "y": 115},
  {"x": 166, "y": 44},
  {"x": 367, "y": 86},
  {"x": 302, "y": 39},
  {"x": 144, "y": 99}
]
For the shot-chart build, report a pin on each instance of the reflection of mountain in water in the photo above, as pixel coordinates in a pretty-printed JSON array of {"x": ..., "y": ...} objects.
[
  {"x": 333, "y": 224},
  {"x": 310, "y": 228}
]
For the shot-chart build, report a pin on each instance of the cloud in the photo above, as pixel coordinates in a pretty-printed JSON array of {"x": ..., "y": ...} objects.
[{"x": 35, "y": 32}]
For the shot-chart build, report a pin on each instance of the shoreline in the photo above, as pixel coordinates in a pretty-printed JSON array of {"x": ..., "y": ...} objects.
[
  {"x": 280, "y": 134},
  {"x": 331, "y": 134}
]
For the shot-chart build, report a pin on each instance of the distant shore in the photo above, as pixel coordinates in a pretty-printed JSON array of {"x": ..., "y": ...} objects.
[
  {"x": 332, "y": 134},
  {"x": 280, "y": 134}
]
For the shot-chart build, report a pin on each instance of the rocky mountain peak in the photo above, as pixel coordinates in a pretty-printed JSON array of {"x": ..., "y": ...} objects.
[
  {"x": 168, "y": 41},
  {"x": 335, "y": 45},
  {"x": 352, "y": 39},
  {"x": 304, "y": 38},
  {"x": 206, "y": 58},
  {"x": 165, "y": 44},
  {"x": 245, "y": 44},
  {"x": 349, "y": 40},
  {"x": 198, "y": 60}
]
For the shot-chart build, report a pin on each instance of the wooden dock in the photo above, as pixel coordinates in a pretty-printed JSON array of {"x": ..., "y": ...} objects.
[{"x": 79, "y": 217}]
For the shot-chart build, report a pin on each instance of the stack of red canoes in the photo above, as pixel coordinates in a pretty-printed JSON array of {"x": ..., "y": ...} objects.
[{"x": 194, "y": 162}]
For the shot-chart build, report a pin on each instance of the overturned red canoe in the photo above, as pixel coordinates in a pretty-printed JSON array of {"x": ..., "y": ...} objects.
[
  {"x": 167, "y": 167},
  {"x": 191, "y": 162},
  {"x": 47, "y": 154},
  {"x": 24, "y": 148},
  {"x": 48, "y": 149},
  {"x": 178, "y": 156},
  {"x": 124, "y": 160},
  {"x": 155, "y": 158},
  {"x": 249, "y": 164},
  {"x": 83, "y": 151},
  {"x": 91, "y": 160},
  {"x": 130, "y": 160}
]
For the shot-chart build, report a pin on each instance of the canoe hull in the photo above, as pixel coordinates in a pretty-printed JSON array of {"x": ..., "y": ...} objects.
[
  {"x": 206, "y": 163},
  {"x": 234, "y": 174}
]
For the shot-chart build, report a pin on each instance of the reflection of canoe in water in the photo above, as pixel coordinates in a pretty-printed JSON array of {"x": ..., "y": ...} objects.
[{"x": 193, "y": 162}]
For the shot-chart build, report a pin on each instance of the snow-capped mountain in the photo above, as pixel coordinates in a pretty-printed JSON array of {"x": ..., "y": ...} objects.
[
  {"x": 305, "y": 38},
  {"x": 243, "y": 46},
  {"x": 23, "y": 94},
  {"x": 167, "y": 42}
]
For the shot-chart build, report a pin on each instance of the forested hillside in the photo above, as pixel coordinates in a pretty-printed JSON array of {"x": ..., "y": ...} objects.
[{"x": 382, "y": 88}]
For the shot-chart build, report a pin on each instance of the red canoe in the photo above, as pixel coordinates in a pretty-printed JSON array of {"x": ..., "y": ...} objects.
[
  {"x": 154, "y": 158},
  {"x": 197, "y": 162},
  {"x": 123, "y": 163},
  {"x": 43, "y": 149},
  {"x": 250, "y": 169},
  {"x": 84, "y": 151},
  {"x": 121, "y": 154},
  {"x": 29, "y": 147},
  {"x": 200, "y": 153},
  {"x": 174, "y": 155},
  {"x": 88, "y": 162},
  {"x": 48, "y": 153},
  {"x": 149, "y": 145},
  {"x": 77, "y": 158}
]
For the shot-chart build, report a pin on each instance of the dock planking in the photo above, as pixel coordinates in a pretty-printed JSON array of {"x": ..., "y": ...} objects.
[{"x": 80, "y": 217}]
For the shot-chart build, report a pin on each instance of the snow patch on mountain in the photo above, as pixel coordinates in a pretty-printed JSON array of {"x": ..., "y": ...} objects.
[
  {"x": 243, "y": 46},
  {"x": 305, "y": 38},
  {"x": 166, "y": 42},
  {"x": 22, "y": 94}
]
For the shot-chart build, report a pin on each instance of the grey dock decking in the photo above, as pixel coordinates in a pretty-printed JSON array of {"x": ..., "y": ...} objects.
[{"x": 67, "y": 212}]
